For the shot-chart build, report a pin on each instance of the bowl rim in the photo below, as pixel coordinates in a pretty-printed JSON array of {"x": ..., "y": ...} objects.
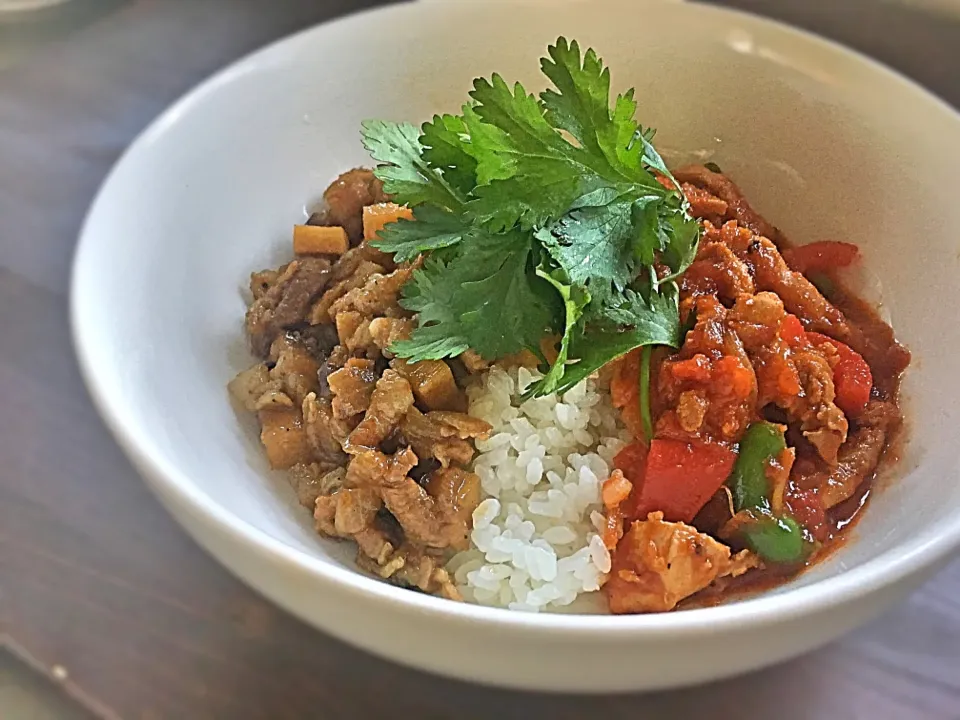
[{"x": 165, "y": 479}]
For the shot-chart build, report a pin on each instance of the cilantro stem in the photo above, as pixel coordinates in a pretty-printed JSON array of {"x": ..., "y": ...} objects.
[{"x": 644, "y": 399}]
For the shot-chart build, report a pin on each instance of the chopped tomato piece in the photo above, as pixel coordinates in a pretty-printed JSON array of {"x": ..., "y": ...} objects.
[
  {"x": 851, "y": 375},
  {"x": 821, "y": 256},
  {"x": 680, "y": 477},
  {"x": 632, "y": 460}
]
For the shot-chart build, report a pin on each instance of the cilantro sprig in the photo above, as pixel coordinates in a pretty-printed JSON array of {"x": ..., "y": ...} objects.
[{"x": 537, "y": 216}]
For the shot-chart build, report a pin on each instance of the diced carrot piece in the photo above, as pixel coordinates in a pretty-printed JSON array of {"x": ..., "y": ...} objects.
[
  {"x": 320, "y": 240},
  {"x": 376, "y": 216}
]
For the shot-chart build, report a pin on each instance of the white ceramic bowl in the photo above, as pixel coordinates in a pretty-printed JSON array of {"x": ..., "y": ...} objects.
[{"x": 825, "y": 142}]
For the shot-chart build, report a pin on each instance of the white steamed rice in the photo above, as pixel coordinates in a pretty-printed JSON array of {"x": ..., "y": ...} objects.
[{"x": 535, "y": 544}]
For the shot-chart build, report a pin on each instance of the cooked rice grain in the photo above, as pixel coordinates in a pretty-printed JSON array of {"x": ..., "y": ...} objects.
[{"x": 534, "y": 542}]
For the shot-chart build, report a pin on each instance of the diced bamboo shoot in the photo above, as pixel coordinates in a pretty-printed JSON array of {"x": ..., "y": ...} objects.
[
  {"x": 319, "y": 240},
  {"x": 433, "y": 384},
  {"x": 284, "y": 438}
]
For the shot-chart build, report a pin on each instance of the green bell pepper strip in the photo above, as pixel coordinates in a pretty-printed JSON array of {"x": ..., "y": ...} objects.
[{"x": 778, "y": 539}]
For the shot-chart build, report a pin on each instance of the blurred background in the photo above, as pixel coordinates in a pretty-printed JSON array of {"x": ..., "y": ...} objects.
[{"x": 915, "y": 36}]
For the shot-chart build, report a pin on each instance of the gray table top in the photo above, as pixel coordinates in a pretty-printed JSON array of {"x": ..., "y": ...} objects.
[{"x": 96, "y": 580}]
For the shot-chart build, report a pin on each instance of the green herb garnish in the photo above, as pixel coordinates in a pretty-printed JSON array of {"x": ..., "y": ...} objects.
[{"x": 537, "y": 216}]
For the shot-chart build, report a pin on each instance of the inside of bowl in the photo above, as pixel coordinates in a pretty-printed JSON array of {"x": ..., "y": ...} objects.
[{"x": 824, "y": 146}]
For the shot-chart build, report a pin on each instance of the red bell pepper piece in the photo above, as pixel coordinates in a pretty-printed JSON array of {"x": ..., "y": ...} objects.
[
  {"x": 678, "y": 478},
  {"x": 632, "y": 461},
  {"x": 821, "y": 256},
  {"x": 852, "y": 378}
]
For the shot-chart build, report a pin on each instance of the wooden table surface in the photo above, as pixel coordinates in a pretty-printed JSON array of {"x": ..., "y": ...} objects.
[{"x": 102, "y": 590}]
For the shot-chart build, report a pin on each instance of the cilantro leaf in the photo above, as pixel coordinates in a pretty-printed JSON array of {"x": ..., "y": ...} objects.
[
  {"x": 653, "y": 315},
  {"x": 600, "y": 245},
  {"x": 592, "y": 345},
  {"x": 582, "y": 108},
  {"x": 443, "y": 149},
  {"x": 575, "y": 299},
  {"x": 430, "y": 229},
  {"x": 439, "y": 333},
  {"x": 529, "y": 173},
  {"x": 404, "y": 173},
  {"x": 470, "y": 299},
  {"x": 680, "y": 236},
  {"x": 537, "y": 215}
]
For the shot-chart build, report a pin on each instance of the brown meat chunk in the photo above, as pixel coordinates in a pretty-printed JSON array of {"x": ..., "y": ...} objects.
[
  {"x": 318, "y": 340},
  {"x": 704, "y": 204},
  {"x": 361, "y": 270},
  {"x": 345, "y": 199},
  {"x": 473, "y": 362},
  {"x": 353, "y": 330},
  {"x": 714, "y": 367},
  {"x": 252, "y": 384},
  {"x": 724, "y": 189},
  {"x": 465, "y": 426},
  {"x": 798, "y": 380},
  {"x": 295, "y": 368},
  {"x": 433, "y": 438},
  {"x": 433, "y": 521},
  {"x": 325, "y": 515},
  {"x": 352, "y": 387},
  {"x": 375, "y": 545},
  {"x": 716, "y": 271},
  {"x": 286, "y": 303},
  {"x": 262, "y": 281},
  {"x": 821, "y": 421},
  {"x": 409, "y": 503},
  {"x": 390, "y": 401},
  {"x": 771, "y": 272},
  {"x": 356, "y": 509},
  {"x": 311, "y": 480},
  {"x": 385, "y": 331},
  {"x": 433, "y": 384},
  {"x": 457, "y": 495},
  {"x": 367, "y": 469},
  {"x": 657, "y": 564},
  {"x": 377, "y": 296},
  {"x": 284, "y": 438},
  {"x": 857, "y": 458},
  {"x": 325, "y": 433},
  {"x": 756, "y": 320}
]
